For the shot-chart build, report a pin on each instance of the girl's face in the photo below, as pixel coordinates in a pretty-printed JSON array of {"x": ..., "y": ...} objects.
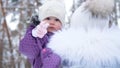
[{"x": 54, "y": 24}]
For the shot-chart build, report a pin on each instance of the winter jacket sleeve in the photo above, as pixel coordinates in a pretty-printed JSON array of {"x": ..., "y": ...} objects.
[{"x": 29, "y": 45}]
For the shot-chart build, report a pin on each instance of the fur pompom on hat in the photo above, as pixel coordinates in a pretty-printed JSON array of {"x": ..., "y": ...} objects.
[
  {"x": 100, "y": 7},
  {"x": 55, "y": 8}
]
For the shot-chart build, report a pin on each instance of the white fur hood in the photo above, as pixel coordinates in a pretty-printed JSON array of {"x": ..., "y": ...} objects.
[{"x": 88, "y": 49}]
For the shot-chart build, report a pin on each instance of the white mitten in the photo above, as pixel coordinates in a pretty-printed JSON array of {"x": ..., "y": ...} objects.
[{"x": 40, "y": 30}]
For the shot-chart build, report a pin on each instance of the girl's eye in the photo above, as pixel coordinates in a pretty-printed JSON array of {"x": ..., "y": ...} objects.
[
  {"x": 48, "y": 18},
  {"x": 56, "y": 19}
]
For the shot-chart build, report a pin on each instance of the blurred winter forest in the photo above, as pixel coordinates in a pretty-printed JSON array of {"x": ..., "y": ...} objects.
[{"x": 15, "y": 17}]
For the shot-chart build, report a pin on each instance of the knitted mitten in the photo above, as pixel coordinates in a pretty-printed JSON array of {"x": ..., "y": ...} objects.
[{"x": 40, "y": 30}]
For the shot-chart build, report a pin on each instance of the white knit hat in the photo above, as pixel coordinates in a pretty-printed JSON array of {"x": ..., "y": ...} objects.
[{"x": 55, "y": 8}]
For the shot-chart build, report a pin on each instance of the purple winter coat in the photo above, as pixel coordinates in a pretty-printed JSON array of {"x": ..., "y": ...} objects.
[{"x": 36, "y": 51}]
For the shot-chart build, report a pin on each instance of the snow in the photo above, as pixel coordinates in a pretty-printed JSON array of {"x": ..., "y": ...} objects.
[
  {"x": 118, "y": 22},
  {"x": 12, "y": 24}
]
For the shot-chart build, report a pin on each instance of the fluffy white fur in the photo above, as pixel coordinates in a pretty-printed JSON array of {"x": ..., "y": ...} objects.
[
  {"x": 102, "y": 7},
  {"x": 82, "y": 17},
  {"x": 88, "y": 49}
]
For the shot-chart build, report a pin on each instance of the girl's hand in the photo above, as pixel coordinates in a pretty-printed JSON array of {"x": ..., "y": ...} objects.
[{"x": 40, "y": 30}]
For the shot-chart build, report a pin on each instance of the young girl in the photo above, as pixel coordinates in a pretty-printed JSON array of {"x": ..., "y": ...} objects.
[{"x": 33, "y": 45}]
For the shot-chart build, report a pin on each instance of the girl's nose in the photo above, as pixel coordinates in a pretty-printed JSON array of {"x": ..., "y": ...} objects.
[{"x": 52, "y": 22}]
